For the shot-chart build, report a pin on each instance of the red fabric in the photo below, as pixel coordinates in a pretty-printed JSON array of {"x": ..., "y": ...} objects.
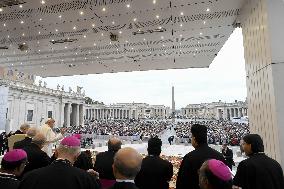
[{"x": 106, "y": 183}]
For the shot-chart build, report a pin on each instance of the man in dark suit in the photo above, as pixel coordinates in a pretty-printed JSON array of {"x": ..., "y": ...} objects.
[
  {"x": 23, "y": 129},
  {"x": 155, "y": 172},
  {"x": 31, "y": 132},
  {"x": 258, "y": 171},
  {"x": 36, "y": 157},
  {"x": 104, "y": 161},
  {"x": 228, "y": 155},
  {"x": 61, "y": 173},
  {"x": 126, "y": 165},
  {"x": 188, "y": 171}
]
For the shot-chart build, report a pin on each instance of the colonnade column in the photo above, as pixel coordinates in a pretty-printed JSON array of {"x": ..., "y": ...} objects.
[
  {"x": 81, "y": 114},
  {"x": 67, "y": 114}
]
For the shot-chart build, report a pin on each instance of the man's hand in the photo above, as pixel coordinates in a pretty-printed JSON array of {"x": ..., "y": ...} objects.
[
  {"x": 93, "y": 173},
  {"x": 63, "y": 130}
]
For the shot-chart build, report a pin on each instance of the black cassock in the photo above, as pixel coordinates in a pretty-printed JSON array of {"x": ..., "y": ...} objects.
[
  {"x": 124, "y": 185},
  {"x": 259, "y": 172},
  {"x": 60, "y": 174},
  {"x": 155, "y": 173},
  {"x": 188, "y": 172},
  {"x": 8, "y": 181}
]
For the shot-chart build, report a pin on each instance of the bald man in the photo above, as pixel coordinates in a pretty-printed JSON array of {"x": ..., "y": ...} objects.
[
  {"x": 51, "y": 137},
  {"x": 126, "y": 165},
  {"x": 36, "y": 157},
  {"x": 23, "y": 129},
  {"x": 31, "y": 132}
]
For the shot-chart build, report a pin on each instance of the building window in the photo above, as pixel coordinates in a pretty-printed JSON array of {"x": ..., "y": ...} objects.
[
  {"x": 49, "y": 114},
  {"x": 30, "y": 115}
]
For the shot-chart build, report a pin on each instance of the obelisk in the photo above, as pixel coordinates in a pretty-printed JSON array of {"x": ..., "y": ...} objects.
[{"x": 173, "y": 105}]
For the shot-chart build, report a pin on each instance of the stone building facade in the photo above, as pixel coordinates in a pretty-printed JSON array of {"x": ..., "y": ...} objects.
[
  {"x": 34, "y": 104},
  {"x": 126, "y": 111},
  {"x": 216, "y": 110}
]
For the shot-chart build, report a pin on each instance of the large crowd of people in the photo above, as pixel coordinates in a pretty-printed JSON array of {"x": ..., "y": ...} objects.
[
  {"x": 219, "y": 132},
  {"x": 121, "y": 127},
  {"x": 32, "y": 164}
]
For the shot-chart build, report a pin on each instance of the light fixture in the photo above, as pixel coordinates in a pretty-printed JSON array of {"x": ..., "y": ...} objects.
[
  {"x": 128, "y": 5},
  {"x": 1, "y": 10},
  {"x": 65, "y": 47},
  {"x": 39, "y": 32},
  {"x": 23, "y": 34},
  {"x": 181, "y": 25},
  {"x": 144, "y": 39},
  {"x": 162, "y": 37},
  {"x": 42, "y": 2},
  {"x": 181, "y": 13},
  {"x": 157, "y": 16},
  {"x": 93, "y": 25},
  {"x": 207, "y": 9},
  {"x": 85, "y": 36},
  {"x": 102, "y": 34},
  {"x": 204, "y": 22},
  {"x": 74, "y": 28},
  {"x": 154, "y": 1},
  {"x": 120, "y": 32},
  {"x": 180, "y": 35},
  {"x": 113, "y": 22},
  {"x": 95, "y": 44},
  {"x": 40, "y": 19},
  {"x": 8, "y": 36},
  {"x": 56, "y": 30},
  {"x": 4, "y": 24},
  {"x": 60, "y": 16},
  {"x": 21, "y": 6},
  {"x": 81, "y": 13},
  {"x": 22, "y": 21},
  {"x": 201, "y": 33},
  {"x": 135, "y": 19},
  {"x": 104, "y": 9}
]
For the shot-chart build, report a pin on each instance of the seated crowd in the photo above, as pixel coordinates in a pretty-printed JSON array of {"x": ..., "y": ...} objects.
[
  {"x": 120, "y": 127},
  {"x": 30, "y": 165},
  {"x": 219, "y": 132}
]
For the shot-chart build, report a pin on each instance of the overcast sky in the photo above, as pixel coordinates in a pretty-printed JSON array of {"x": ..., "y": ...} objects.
[{"x": 224, "y": 80}]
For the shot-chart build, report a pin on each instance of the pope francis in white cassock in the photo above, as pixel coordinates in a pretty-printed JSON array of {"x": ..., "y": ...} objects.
[{"x": 51, "y": 137}]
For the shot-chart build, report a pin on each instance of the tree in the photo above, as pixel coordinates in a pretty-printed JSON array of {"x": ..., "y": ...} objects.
[{"x": 88, "y": 100}]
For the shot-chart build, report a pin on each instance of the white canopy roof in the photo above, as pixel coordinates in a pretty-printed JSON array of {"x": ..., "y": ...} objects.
[{"x": 71, "y": 37}]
